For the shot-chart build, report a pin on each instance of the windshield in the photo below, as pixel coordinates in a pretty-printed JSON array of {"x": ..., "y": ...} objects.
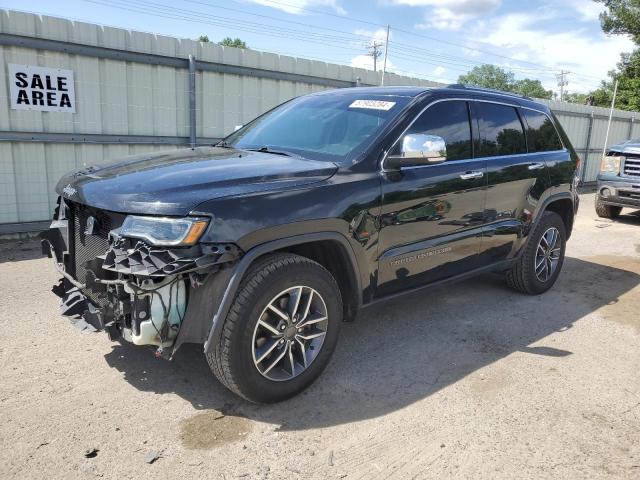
[{"x": 320, "y": 127}]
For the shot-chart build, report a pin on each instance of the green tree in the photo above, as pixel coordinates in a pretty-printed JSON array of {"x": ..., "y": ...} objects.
[
  {"x": 621, "y": 17},
  {"x": 575, "y": 97},
  {"x": 628, "y": 75},
  {"x": 489, "y": 76},
  {"x": 203, "y": 39},
  {"x": 233, "y": 42},
  {"x": 531, "y": 88}
]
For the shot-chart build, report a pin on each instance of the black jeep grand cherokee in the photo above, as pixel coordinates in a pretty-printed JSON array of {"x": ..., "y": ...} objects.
[{"x": 260, "y": 246}]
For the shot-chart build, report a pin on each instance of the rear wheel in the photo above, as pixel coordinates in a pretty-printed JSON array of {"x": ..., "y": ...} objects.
[
  {"x": 607, "y": 211},
  {"x": 281, "y": 330},
  {"x": 538, "y": 267}
]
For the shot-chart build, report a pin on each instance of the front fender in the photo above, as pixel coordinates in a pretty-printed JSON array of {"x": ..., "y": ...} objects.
[{"x": 210, "y": 303}]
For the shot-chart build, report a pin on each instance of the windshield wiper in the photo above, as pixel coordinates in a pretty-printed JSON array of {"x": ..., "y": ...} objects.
[
  {"x": 266, "y": 149},
  {"x": 222, "y": 144}
]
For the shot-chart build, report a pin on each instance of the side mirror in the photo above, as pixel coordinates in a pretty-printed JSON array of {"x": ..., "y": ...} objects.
[{"x": 419, "y": 149}]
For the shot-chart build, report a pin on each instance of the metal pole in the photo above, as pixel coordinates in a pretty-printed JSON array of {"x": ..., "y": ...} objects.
[
  {"x": 386, "y": 51},
  {"x": 613, "y": 104},
  {"x": 633, "y": 119},
  {"x": 192, "y": 101},
  {"x": 583, "y": 174}
]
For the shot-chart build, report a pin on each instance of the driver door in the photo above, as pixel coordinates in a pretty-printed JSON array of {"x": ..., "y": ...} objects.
[{"x": 432, "y": 215}]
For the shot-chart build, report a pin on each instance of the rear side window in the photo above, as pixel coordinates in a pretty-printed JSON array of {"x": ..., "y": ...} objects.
[
  {"x": 449, "y": 120},
  {"x": 500, "y": 129},
  {"x": 541, "y": 133}
]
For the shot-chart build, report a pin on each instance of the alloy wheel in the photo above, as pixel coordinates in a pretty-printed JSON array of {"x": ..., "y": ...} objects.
[
  {"x": 548, "y": 254},
  {"x": 289, "y": 333}
]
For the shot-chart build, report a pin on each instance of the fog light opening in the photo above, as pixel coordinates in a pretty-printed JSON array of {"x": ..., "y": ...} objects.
[{"x": 605, "y": 192}]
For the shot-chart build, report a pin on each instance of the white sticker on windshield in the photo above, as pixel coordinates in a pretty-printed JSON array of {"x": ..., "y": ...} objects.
[{"x": 373, "y": 104}]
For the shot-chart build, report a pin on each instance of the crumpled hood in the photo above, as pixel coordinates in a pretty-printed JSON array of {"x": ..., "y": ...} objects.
[
  {"x": 176, "y": 182},
  {"x": 630, "y": 147}
]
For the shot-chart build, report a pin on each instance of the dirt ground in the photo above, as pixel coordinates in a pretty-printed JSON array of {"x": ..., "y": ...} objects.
[{"x": 468, "y": 380}]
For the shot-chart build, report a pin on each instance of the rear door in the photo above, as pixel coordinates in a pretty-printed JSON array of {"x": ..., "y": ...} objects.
[
  {"x": 516, "y": 178},
  {"x": 432, "y": 215}
]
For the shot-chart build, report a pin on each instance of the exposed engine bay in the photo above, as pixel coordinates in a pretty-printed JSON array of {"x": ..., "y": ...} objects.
[{"x": 126, "y": 286}]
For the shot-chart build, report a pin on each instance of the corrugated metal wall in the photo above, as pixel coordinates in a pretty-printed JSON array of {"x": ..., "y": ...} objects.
[
  {"x": 579, "y": 120},
  {"x": 142, "y": 103}
]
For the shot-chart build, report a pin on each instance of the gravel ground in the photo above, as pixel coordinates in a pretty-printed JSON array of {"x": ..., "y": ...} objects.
[{"x": 468, "y": 380}]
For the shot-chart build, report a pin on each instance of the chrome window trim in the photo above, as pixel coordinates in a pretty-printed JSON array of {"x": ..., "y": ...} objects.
[{"x": 463, "y": 99}]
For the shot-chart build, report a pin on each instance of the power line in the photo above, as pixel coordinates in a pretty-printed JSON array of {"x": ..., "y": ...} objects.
[
  {"x": 244, "y": 12},
  {"x": 461, "y": 60},
  {"x": 345, "y": 41},
  {"x": 311, "y": 10},
  {"x": 436, "y": 39},
  {"x": 237, "y": 24},
  {"x": 150, "y": 8}
]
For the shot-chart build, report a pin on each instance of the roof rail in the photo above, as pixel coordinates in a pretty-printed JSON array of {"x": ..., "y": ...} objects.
[{"x": 459, "y": 86}]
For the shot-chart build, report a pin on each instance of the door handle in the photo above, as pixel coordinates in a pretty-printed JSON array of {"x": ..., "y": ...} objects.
[
  {"x": 471, "y": 175},
  {"x": 536, "y": 166}
]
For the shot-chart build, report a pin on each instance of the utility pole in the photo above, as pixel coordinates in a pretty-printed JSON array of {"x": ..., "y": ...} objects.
[
  {"x": 613, "y": 105},
  {"x": 386, "y": 52},
  {"x": 375, "y": 52},
  {"x": 562, "y": 82}
]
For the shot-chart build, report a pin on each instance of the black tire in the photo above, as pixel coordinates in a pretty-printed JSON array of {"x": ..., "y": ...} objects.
[
  {"x": 522, "y": 275},
  {"x": 231, "y": 359},
  {"x": 607, "y": 211}
]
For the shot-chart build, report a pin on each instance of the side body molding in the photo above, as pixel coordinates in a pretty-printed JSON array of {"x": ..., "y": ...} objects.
[{"x": 245, "y": 262}]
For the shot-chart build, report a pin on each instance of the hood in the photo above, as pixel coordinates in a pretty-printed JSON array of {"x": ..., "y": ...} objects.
[
  {"x": 630, "y": 147},
  {"x": 176, "y": 182}
]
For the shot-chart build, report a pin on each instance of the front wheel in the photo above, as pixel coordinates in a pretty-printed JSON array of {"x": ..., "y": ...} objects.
[
  {"x": 281, "y": 330},
  {"x": 607, "y": 211},
  {"x": 538, "y": 267}
]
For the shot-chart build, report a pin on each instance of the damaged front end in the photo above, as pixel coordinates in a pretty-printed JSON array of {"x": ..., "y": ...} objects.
[{"x": 133, "y": 288}]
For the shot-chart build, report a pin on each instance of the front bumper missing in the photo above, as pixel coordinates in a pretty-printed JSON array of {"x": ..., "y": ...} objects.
[
  {"x": 115, "y": 295},
  {"x": 74, "y": 304}
]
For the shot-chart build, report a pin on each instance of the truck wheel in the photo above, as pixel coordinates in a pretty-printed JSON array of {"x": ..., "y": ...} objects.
[
  {"x": 281, "y": 330},
  {"x": 538, "y": 267},
  {"x": 607, "y": 211}
]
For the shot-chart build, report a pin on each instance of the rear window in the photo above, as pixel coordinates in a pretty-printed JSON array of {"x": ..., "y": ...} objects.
[
  {"x": 501, "y": 131},
  {"x": 541, "y": 134}
]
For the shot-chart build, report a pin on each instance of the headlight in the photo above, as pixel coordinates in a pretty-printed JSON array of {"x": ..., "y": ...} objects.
[
  {"x": 611, "y": 164},
  {"x": 164, "y": 231}
]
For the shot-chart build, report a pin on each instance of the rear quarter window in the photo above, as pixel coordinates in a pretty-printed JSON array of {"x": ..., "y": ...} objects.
[{"x": 542, "y": 135}]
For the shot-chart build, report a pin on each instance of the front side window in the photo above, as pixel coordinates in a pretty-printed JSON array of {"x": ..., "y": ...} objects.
[
  {"x": 541, "y": 133},
  {"x": 449, "y": 120},
  {"x": 500, "y": 130},
  {"x": 321, "y": 127}
]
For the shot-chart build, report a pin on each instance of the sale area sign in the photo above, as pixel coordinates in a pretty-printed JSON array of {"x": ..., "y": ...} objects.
[{"x": 41, "y": 88}]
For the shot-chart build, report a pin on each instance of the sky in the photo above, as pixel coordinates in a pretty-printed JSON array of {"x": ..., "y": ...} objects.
[{"x": 433, "y": 39}]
